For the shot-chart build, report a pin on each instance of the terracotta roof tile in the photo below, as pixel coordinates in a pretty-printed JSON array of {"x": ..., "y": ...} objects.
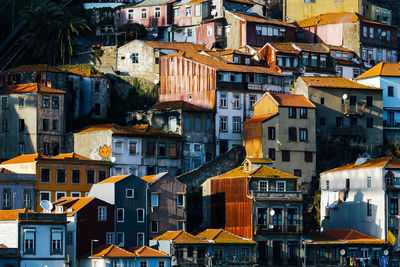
[
  {"x": 178, "y": 105},
  {"x": 113, "y": 251},
  {"x": 260, "y": 118},
  {"x": 78, "y": 203},
  {"x": 289, "y": 100},
  {"x": 259, "y": 19},
  {"x": 147, "y": 252},
  {"x": 12, "y": 215},
  {"x": 3, "y": 246},
  {"x": 114, "y": 179},
  {"x": 220, "y": 236},
  {"x": 26, "y": 158},
  {"x": 28, "y": 88},
  {"x": 347, "y": 63},
  {"x": 35, "y": 68},
  {"x": 71, "y": 155},
  {"x": 4, "y": 170},
  {"x": 335, "y": 82},
  {"x": 372, "y": 163},
  {"x": 181, "y": 46},
  {"x": 382, "y": 69},
  {"x": 338, "y": 48},
  {"x": 246, "y": 2},
  {"x": 260, "y": 172},
  {"x": 154, "y": 177},
  {"x": 180, "y": 237},
  {"x": 87, "y": 72},
  {"x": 259, "y": 160},
  {"x": 393, "y": 163},
  {"x": 343, "y": 236}
]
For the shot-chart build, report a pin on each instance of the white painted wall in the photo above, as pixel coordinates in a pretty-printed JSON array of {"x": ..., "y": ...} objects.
[{"x": 9, "y": 233}]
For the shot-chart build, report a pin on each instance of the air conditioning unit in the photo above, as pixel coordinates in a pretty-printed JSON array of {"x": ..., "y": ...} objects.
[{"x": 59, "y": 209}]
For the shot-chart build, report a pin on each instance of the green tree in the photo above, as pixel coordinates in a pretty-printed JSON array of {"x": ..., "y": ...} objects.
[
  {"x": 133, "y": 31},
  {"x": 49, "y": 32}
]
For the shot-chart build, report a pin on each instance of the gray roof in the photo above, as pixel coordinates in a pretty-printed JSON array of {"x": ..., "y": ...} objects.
[{"x": 152, "y": 3}]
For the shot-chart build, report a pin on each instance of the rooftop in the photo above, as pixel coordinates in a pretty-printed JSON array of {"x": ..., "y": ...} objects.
[
  {"x": 153, "y": 3},
  {"x": 146, "y": 251},
  {"x": 382, "y": 69},
  {"x": 260, "y": 118},
  {"x": 289, "y": 100},
  {"x": 25, "y": 158},
  {"x": 181, "y": 46},
  {"x": 73, "y": 204},
  {"x": 261, "y": 172},
  {"x": 153, "y": 177},
  {"x": 389, "y": 162},
  {"x": 112, "y": 251},
  {"x": 259, "y": 19},
  {"x": 220, "y": 236},
  {"x": 114, "y": 179},
  {"x": 342, "y": 236},
  {"x": 12, "y": 215},
  {"x": 179, "y": 104},
  {"x": 29, "y": 88},
  {"x": 259, "y": 160},
  {"x": 71, "y": 155},
  {"x": 181, "y": 237},
  {"x": 335, "y": 82}
]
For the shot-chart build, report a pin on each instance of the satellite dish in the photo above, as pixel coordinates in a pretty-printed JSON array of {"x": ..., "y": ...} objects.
[
  {"x": 214, "y": 12},
  {"x": 344, "y": 96},
  {"x": 342, "y": 252},
  {"x": 46, "y": 205},
  {"x": 272, "y": 212},
  {"x": 385, "y": 252},
  {"x": 383, "y": 34}
]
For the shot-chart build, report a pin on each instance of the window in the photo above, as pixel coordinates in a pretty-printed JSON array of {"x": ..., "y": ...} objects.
[
  {"x": 394, "y": 206},
  {"x": 223, "y": 123},
  {"x": 162, "y": 150},
  {"x": 271, "y": 133},
  {"x": 303, "y": 135},
  {"x": 109, "y": 238},
  {"x": 143, "y": 13},
  {"x": 102, "y": 175},
  {"x": 365, "y": 31},
  {"x": 303, "y": 113},
  {"x": 21, "y": 102},
  {"x": 305, "y": 60},
  {"x": 188, "y": 11},
  {"x": 132, "y": 148},
  {"x": 157, "y": 12},
  {"x": 140, "y": 239},
  {"x": 7, "y": 198},
  {"x": 55, "y": 125},
  {"x": 120, "y": 239},
  {"x": 271, "y": 153},
  {"x": 176, "y": 12},
  {"x": 322, "y": 101},
  {"x": 308, "y": 156},
  {"x": 189, "y": 32},
  {"x": 154, "y": 199},
  {"x": 76, "y": 177},
  {"x": 197, "y": 124},
  {"x": 285, "y": 155},
  {"x": 130, "y": 14},
  {"x": 237, "y": 124},
  {"x": 44, "y": 195},
  {"x": 263, "y": 186},
  {"x": 90, "y": 177},
  {"x": 327, "y": 184},
  {"x": 29, "y": 241},
  {"x": 369, "y": 207},
  {"x": 390, "y": 91},
  {"x": 45, "y": 175},
  {"x": 140, "y": 215},
  {"x": 135, "y": 58},
  {"x": 56, "y": 241},
  {"x": 371, "y": 32},
  {"x": 45, "y": 124},
  {"x": 118, "y": 147},
  {"x": 130, "y": 193},
  {"x": 180, "y": 200},
  {"x": 223, "y": 101},
  {"x": 314, "y": 61},
  {"x": 197, "y": 10},
  {"x": 181, "y": 225},
  {"x": 75, "y": 194},
  {"x": 154, "y": 226},
  {"x": 370, "y": 122},
  {"x": 60, "y": 195},
  {"x": 297, "y": 172},
  {"x": 46, "y": 102},
  {"x": 120, "y": 214},
  {"x": 22, "y": 125},
  {"x": 236, "y": 101},
  {"x": 369, "y": 101},
  {"x": 292, "y": 113},
  {"x": 4, "y": 102},
  {"x": 292, "y": 134},
  {"x": 280, "y": 186},
  {"x": 55, "y": 102},
  {"x": 102, "y": 213},
  {"x": 209, "y": 31},
  {"x": 369, "y": 182},
  {"x": 4, "y": 126},
  {"x": 322, "y": 121},
  {"x": 21, "y": 148},
  {"x": 339, "y": 122},
  {"x": 27, "y": 198},
  {"x": 347, "y": 183}
]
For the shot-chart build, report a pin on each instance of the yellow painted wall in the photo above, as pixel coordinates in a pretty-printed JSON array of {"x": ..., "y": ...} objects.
[{"x": 265, "y": 106}]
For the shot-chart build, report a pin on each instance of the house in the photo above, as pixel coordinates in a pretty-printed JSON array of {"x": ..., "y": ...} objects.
[
  {"x": 130, "y": 197},
  {"x": 372, "y": 41},
  {"x": 167, "y": 203},
  {"x": 260, "y": 203},
  {"x": 32, "y": 119},
  {"x": 82, "y": 214},
  {"x": 138, "y": 149},
  {"x": 39, "y": 237},
  {"x": 59, "y": 176},
  {"x": 8, "y": 256},
  {"x": 346, "y": 63},
  {"x": 345, "y": 109},
  {"x": 184, "y": 248},
  {"x": 386, "y": 76},
  {"x": 343, "y": 246},
  {"x": 210, "y": 81},
  {"x": 255, "y": 30},
  {"x": 185, "y": 119},
  {"x": 283, "y": 130},
  {"x": 17, "y": 191},
  {"x": 295, "y": 10},
  {"x": 363, "y": 195},
  {"x": 102, "y": 15},
  {"x": 140, "y": 58},
  {"x": 113, "y": 255}
]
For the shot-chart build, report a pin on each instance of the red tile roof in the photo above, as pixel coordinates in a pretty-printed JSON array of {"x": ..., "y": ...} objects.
[
  {"x": 260, "y": 118},
  {"x": 78, "y": 203},
  {"x": 3, "y": 246},
  {"x": 114, "y": 179},
  {"x": 181, "y": 237},
  {"x": 342, "y": 236},
  {"x": 26, "y": 158},
  {"x": 179, "y": 104},
  {"x": 335, "y": 82},
  {"x": 71, "y": 155},
  {"x": 259, "y": 19},
  {"x": 181, "y": 46},
  {"x": 372, "y": 163},
  {"x": 289, "y": 100},
  {"x": 147, "y": 252},
  {"x": 220, "y": 236},
  {"x": 382, "y": 69},
  {"x": 28, "y": 88},
  {"x": 113, "y": 251},
  {"x": 12, "y": 215},
  {"x": 261, "y": 172}
]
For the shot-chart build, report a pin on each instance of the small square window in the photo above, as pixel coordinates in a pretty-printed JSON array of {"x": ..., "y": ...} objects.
[
  {"x": 180, "y": 200},
  {"x": 140, "y": 215},
  {"x": 130, "y": 193}
]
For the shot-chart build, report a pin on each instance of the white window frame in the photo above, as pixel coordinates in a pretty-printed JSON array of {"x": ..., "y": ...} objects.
[
  {"x": 137, "y": 215},
  {"x": 121, "y": 244},
  {"x": 133, "y": 193},
  {"x": 143, "y": 13},
  {"x": 130, "y": 14},
  {"x": 183, "y": 224},
  {"x": 25, "y": 230},
  {"x": 209, "y": 30},
  {"x": 40, "y": 195},
  {"x": 137, "y": 238},
  {"x": 158, "y": 226},
  {"x": 157, "y": 12},
  {"x": 60, "y": 242},
  {"x": 176, "y": 12},
  {"x": 158, "y": 199},
  {"x": 277, "y": 186},
  {"x": 109, "y": 238},
  {"x": 183, "y": 200},
  {"x": 188, "y": 11},
  {"x": 60, "y": 192},
  {"x": 123, "y": 215},
  {"x": 223, "y": 120},
  {"x": 136, "y": 147},
  {"x": 77, "y": 193},
  {"x": 197, "y": 10},
  {"x": 264, "y": 182},
  {"x": 102, "y": 213},
  {"x": 223, "y": 100},
  {"x": 121, "y": 151},
  {"x": 236, "y": 101}
]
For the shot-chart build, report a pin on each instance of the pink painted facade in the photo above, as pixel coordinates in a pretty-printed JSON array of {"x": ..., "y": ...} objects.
[{"x": 329, "y": 34}]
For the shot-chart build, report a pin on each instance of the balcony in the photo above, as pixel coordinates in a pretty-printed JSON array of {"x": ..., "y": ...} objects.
[
  {"x": 395, "y": 125},
  {"x": 353, "y": 109},
  {"x": 278, "y": 229},
  {"x": 280, "y": 195}
]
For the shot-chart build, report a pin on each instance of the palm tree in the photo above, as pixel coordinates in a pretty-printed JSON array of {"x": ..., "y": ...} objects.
[{"x": 50, "y": 29}]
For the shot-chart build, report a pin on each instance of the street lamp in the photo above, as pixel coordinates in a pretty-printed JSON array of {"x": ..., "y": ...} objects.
[{"x": 91, "y": 246}]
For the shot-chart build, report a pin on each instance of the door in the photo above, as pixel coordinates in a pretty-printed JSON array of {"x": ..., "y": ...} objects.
[{"x": 277, "y": 252}]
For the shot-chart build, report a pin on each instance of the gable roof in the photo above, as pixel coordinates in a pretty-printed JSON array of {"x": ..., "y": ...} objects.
[
  {"x": 382, "y": 69},
  {"x": 390, "y": 162},
  {"x": 180, "y": 237},
  {"x": 342, "y": 236},
  {"x": 290, "y": 100},
  {"x": 113, "y": 251},
  {"x": 4, "y": 170},
  {"x": 114, "y": 179},
  {"x": 220, "y": 236},
  {"x": 147, "y": 252},
  {"x": 261, "y": 172},
  {"x": 29, "y": 88},
  {"x": 12, "y": 215},
  {"x": 259, "y": 19},
  {"x": 179, "y": 104},
  {"x": 153, "y": 3},
  {"x": 335, "y": 82},
  {"x": 153, "y": 177},
  {"x": 77, "y": 204},
  {"x": 259, "y": 160},
  {"x": 35, "y": 68},
  {"x": 25, "y": 158},
  {"x": 71, "y": 155},
  {"x": 260, "y": 118},
  {"x": 175, "y": 46}
]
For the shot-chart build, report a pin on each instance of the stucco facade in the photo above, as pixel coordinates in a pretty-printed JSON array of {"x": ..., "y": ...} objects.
[{"x": 17, "y": 191}]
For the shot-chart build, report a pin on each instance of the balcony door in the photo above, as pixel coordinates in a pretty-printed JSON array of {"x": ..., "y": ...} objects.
[{"x": 277, "y": 252}]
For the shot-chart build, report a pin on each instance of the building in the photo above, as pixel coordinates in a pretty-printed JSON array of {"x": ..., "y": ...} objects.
[
  {"x": 346, "y": 63},
  {"x": 83, "y": 213},
  {"x": 345, "y": 109},
  {"x": 167, "y": 203},
  {"x": 32, "y": 119},
  {"x": 140, "y": 58},
  {"x": 138, "y": 149},
  {"x": 363, "y": 195},
  {"x": 39, "y": 237},
  {"x": 295, "y": 10},
  {"x": 59, "y": 176},
  {"x": 195, "y": 124},
  {"x": 17, "y": 191},
  {"x": 261, "y": 203},
  {"x": 386, "y": 76},
  {"x": 136, "y": 257},
  {"x": 341, "y": 247},
  {"x": 130, "y": 197},
  {"x": 372, "y": 41},
  {"x": 283, "y": 130},
  {"x": 210, "y": 81}
]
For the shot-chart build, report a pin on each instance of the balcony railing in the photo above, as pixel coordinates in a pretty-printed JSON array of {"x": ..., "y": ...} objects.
[
  {"x": 352, "y": 110},
  {"x": 277, "y": 195},
  {"x": 283, "y": 229},
  {"x": 393, "y": 221}
]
